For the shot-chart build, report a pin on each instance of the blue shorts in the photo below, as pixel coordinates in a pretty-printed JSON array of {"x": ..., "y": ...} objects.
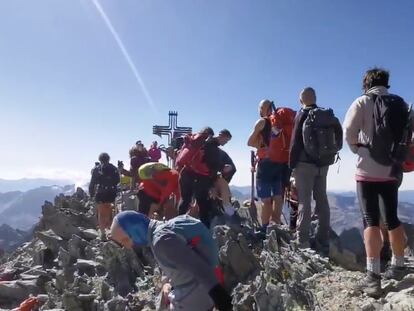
[{"x": 271, "y": 178}]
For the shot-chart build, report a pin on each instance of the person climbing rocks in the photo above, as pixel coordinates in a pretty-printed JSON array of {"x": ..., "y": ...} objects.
[
  {"x": 138, "y": 156},
  {"x": 186, "y": 253},
  {"x": 154, "y": 152},
  {"x": 158, "y": 184},
  {"x": 225, "y": 174},
  {"x": 199, "y": 162},
  {"x": 103, "y": 186},
  {"x": 271, "y": 137},
  {"x": 378, "y": 171},
  {"x": 310, "y": 157}
]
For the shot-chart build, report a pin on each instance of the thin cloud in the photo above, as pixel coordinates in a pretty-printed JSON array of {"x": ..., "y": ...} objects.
[{"x": 125, "y": 53}]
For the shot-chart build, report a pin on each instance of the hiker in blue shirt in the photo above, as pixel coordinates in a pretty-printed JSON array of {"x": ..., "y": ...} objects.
[{"x": 185, "y": 251}]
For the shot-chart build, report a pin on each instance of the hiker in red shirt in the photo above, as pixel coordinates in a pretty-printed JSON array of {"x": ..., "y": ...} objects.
[{"x": 158, "y": 184}]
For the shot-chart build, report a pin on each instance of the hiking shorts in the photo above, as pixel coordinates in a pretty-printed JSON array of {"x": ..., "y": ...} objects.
[
  {"x": 105, "y": 196},
  {"x": 271, "y": 178},
  {"x": 145, "y": 202},
  {"x": 379, "y": 201}
]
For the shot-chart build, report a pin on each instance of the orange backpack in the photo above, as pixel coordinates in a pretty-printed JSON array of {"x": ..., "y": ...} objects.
[{"x": 278, "y": 129}]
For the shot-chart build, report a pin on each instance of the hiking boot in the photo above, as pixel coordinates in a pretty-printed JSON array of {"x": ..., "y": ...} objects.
[
  {"x": 370, "y": 285},
  {"x": 395, "y": 273},
  {"x": 102, "y": 236}
]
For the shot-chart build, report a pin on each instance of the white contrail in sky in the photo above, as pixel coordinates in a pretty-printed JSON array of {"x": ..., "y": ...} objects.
[{"x": 124, "y": 52}]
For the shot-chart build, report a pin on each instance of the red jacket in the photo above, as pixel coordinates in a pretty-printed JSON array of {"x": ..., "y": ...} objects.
[{"x": 162, "y": 186}]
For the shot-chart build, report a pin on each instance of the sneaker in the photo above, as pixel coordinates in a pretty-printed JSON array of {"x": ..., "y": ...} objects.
[
  {"x": 395, "y": 273},
  {"x": 370, "y": 285}
]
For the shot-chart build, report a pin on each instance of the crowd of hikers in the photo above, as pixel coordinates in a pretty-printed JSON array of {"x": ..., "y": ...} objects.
[{"x": 294, "y": 150}]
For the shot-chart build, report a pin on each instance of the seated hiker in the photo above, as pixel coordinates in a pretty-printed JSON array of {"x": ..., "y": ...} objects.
[
  {"x": 103, "y": 187},
  {"x": 154, "y": 152},
  {"x": 158, "y": 184},
  {"x": 186, "y": 253},
  {"x": 139, "y": 156}
]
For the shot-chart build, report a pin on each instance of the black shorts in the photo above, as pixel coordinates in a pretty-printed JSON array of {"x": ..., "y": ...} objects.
[
  {"x": 379, "y": 201},
  {"x": 145, "y": 202},
  {"x": 105, "y": 196}
]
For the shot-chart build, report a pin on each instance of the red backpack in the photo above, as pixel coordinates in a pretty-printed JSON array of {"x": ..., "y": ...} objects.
[
  {"x": 278, "y": 129},
  {"x": 190, "y": 150}
]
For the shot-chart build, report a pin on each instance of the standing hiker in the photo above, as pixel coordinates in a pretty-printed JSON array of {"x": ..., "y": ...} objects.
[
  {"x": 271, "y": 137},
  {"x": 378, "y": 129},
  {"x": 154, "y": 152},
  {"x": 199, "y": 161},
  {"x": 316, "y": 141},
  {"x": 103, "y": 186},
  {"x": 186, "y": 253}
]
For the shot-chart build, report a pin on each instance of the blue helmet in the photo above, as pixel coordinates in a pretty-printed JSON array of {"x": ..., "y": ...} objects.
[{"x": 135, "y": 226}]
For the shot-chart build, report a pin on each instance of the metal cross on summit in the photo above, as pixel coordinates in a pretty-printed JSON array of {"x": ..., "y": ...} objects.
[{"x": 172, "y": 130}]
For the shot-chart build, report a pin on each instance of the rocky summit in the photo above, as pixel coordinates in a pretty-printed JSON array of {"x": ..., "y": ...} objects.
[{"x": 67, "y": 267}]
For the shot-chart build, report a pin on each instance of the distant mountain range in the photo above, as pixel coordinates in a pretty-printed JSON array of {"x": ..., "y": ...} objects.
[
  {"x": 22, "y": 209},
  {"x": 25, "y": 184},
  {"x": 11, "y": 238},
  {"x": 345, "y": 213}
]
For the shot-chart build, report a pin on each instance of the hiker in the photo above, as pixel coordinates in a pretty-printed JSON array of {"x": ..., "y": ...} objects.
[
  {"x": 138, "y": 156},
  {"x": 316, "y": 141},
  {"x": 378, "y": 148},
  {"x": 103, "y": 186},
  {"x": 291, "y": 197},
  {"x": 158, "y": 184},
  {"x": 221, "y": 186},
  {"x": 226, "y": 172},
  {"x": 154, "y": 152},
  {"x": 271, "y": 137},
  {"x": 186, "y": 253},
  {"x": 199, "y": 162}
]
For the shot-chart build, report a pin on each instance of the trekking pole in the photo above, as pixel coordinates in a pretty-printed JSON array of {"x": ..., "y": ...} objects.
[{"x": 253, "y": 209}]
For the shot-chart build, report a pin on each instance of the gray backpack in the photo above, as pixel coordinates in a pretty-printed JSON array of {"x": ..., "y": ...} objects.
[{"x": 322, "y": 136}]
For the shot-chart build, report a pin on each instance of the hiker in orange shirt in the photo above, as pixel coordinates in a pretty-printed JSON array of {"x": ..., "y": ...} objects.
[{"x": 158, "y": 184}]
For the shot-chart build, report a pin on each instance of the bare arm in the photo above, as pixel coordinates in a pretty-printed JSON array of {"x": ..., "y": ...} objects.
[{"x": 255, "y": 139}]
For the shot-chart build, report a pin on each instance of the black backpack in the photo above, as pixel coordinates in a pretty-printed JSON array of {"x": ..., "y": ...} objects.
[
  {"x": 322, "y": 136},
  {"x": 108, "y": 177},
  {"x": 392, "y": 130}
]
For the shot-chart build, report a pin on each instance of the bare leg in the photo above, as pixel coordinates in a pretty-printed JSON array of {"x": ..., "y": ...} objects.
[
  {"x": 266, "y": 211},
  {"x": 277, "y": 209},
  {"x": 373, "y": 242},
  {"x": 398, "y": 240},
  {"x": 223, "y": 189}
]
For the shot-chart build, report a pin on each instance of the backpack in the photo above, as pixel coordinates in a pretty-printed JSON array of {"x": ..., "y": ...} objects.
[
  {"x": 149, "y": 170},
  {"x": 190, "y": 149},
  {"x": 392, "y": 130},
  {"x": 322, "y": 136},
  {"x": 277, "y": 134},
  {"x": 108, "y": 177}
]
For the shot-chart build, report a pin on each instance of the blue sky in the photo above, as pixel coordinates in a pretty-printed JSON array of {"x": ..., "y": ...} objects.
[{"x": 67, "y": 91}]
